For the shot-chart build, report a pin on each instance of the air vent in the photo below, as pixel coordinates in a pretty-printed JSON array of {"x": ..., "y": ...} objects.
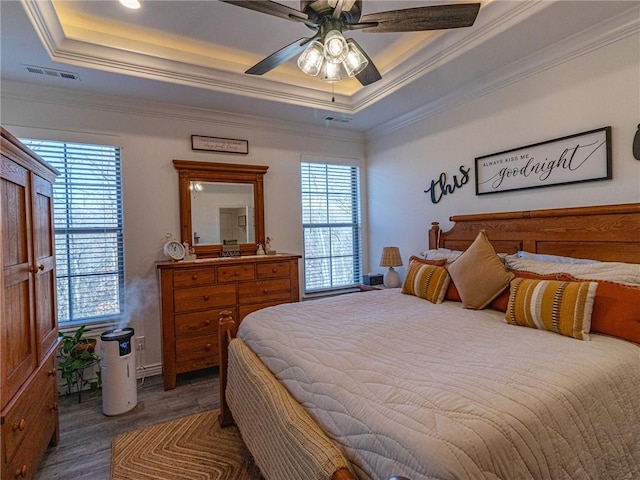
[
  {"x": 50, "y": 72},
  {"x": 337, "y": 119}
]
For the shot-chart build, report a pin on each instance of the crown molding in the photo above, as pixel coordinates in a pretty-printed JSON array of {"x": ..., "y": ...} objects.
[
  {"x": 30, "y": 93},
  {"x": 606, "y": 33}
]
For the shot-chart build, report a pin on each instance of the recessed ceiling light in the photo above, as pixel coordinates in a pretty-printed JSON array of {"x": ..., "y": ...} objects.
[{"x": 132, "y": 4}]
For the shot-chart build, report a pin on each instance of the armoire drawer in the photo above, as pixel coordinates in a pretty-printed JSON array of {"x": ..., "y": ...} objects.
[
  {"x": 194, "y": 277},
  {"x": 27, "y": 413},
  {"x": 265, "y": 290},
  {"x": 202, "y": 298},
  {"x": 273, "y": 270},
  {"x": 25, "y": 462}
]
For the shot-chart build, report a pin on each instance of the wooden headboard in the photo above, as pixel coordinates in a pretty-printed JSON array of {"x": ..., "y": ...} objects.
[{"x": 605, "y": 233}]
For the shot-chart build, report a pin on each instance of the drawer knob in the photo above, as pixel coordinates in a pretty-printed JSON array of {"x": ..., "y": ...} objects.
[
  {"x": 274, "y": 270},
  {"x": 206, "y": 298},
  {"x": 22, "y": 472},
  {"x": 21, "y": 425},
  {"x": 265, "y": 291},
  {"x": 207, "y": 322},
  {"x": 194, "y": 277},
  {"x": 207, "y": 346}
]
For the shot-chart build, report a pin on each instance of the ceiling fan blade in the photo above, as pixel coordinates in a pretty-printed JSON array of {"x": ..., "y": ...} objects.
[
  {"x": 370, "y": 73},
  {"x": 279, "y": 57},
  {"x": 436, "y": 17},
  {"x": 271, "y": 8}
]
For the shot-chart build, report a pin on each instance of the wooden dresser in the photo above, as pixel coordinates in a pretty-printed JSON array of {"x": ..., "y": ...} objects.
[
  {"x": 28, "y": 378},
  {"x": 194, "y": 293}
]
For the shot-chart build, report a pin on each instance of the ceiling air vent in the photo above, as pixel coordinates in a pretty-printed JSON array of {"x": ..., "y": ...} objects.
[
  {"x": 50, "y": 72},
  {"x": 337, "y": 119}
]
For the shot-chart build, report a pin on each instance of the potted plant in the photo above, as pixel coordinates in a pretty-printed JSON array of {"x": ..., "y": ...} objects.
[{"x": 75, "y": 355}]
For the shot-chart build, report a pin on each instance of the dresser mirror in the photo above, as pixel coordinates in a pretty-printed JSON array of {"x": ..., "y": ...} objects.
[{"x": 221, "y": 203}]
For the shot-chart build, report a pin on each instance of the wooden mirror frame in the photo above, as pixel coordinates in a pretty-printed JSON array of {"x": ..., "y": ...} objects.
[{"x": 191, "y": 171}]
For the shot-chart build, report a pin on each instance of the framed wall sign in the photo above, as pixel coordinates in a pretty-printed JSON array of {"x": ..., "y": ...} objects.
[
  {"x": 582, "y": 157},
  {"x": 217, "y": 144}
]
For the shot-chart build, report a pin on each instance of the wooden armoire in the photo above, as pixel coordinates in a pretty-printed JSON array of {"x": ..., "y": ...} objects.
[{"x": 28, "y": 325}]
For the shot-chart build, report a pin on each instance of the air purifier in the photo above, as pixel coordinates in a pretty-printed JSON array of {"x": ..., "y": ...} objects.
[{"x": 118, "y": 368}]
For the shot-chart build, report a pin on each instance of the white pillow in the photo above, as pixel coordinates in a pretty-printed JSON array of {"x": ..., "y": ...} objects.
[
  {"x": 625, "y": 273},
  {"x": 449, "y": 255},
  {"x": 441, "y": 254},
  {"x": 552, "y": 258}
]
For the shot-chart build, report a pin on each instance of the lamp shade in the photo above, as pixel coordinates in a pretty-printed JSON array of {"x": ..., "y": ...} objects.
[
  {"x": 330, "y": 72},
  {"x": 355, "y": 61},
  {"x": 391, "y": 257},
  {"x": 335, "y": 47},
  {"x": 311, "y": 59}
]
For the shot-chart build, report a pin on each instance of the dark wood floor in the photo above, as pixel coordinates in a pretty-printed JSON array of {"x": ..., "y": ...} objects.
[{"x": 84, "y": 451}]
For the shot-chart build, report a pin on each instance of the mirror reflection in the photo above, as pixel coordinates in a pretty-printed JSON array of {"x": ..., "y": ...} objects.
[{"x": 222, "y": 213}]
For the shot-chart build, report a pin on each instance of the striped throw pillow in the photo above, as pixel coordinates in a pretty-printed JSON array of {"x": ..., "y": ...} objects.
[
  {"x": 557, "y": 306},
  {"x": 426, "y": 281}
]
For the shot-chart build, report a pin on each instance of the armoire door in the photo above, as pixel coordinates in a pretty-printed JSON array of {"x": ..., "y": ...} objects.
[
  {"x": 18, "y": 345},
  {"x": 44, "y": 265}
]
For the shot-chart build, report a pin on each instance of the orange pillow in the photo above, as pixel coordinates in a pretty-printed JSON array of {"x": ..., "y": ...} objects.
[
  {"x": 453, "y": 294},
  {"x": 616, "y": 311}
]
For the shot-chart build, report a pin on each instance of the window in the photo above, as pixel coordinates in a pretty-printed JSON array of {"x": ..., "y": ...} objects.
[
  {"x": 331, "y": 226},
  {"x": 88, "y": 229}
]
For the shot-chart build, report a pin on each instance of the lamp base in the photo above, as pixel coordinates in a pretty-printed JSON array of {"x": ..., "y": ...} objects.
[{"x": 391, "y": 278}]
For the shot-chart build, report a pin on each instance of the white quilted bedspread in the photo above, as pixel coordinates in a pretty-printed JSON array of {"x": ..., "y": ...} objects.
[{"x": 405, "y": 387}]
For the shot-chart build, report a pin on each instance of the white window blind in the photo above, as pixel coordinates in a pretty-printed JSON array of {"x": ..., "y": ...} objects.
[
  {"x": 88, "y": 229},
  {"x": 331, "y": 226}
]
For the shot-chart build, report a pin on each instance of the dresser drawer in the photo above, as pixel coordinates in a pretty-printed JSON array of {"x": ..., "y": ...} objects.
[
  {"x": 234, "y": 273},
  {"x": 25, "y": 415},
  {"x": 273, "y": 270},
  {"x": 196, "y": 353},
  {"x": 199, "y": 323},
  {"x": 193, "y": 277},
  {"x": 201, "y": 298},
  {"x": 265, "y": 290}
]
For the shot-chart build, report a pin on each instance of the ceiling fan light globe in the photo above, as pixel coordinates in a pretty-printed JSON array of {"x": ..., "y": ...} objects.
[
  {"x": 331, "y": 72},
  {"x": 355, "y": 61},
  {"x": 311, "y": 59},
  {"x": 335, "y": 47}
]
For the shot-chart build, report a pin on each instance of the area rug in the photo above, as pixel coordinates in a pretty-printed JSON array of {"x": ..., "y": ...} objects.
[{"x": 190, "y": 448}]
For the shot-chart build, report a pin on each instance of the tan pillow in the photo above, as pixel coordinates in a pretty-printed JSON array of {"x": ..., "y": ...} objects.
[
  {"x": 426, "y": 281},
  {"x": 479, "y": 274},
  {"x": 556, "y": 306}
]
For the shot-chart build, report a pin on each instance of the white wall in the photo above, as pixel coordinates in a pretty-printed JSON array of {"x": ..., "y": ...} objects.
[
  {"x": 151, "y": 139},
  {"x": 597, "y": 89}
]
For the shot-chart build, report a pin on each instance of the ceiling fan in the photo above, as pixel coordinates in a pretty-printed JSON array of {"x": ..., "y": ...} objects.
[{"x": 328, "y": 52}]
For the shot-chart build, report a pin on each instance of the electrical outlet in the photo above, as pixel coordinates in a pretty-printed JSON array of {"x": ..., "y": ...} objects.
[{"x": 140, "y": 343}]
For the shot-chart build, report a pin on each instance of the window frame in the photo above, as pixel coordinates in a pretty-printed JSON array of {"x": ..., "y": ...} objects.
[
  {"x": 60, "y": 161},
  {"x": 356, "y": 252}
]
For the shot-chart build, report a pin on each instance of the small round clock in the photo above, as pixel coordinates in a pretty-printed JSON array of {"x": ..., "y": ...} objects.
[{"x": 174, "y": 249}]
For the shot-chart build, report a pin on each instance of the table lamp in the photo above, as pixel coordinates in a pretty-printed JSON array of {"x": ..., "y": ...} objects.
[{"x": 391, "y": 258}]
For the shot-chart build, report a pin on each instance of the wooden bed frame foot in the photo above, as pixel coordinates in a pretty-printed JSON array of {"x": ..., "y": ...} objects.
[{"x": 226, "y": 332}]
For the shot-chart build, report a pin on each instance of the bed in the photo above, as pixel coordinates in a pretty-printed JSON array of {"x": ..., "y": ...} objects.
[{"x": 400, "y": 383}]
